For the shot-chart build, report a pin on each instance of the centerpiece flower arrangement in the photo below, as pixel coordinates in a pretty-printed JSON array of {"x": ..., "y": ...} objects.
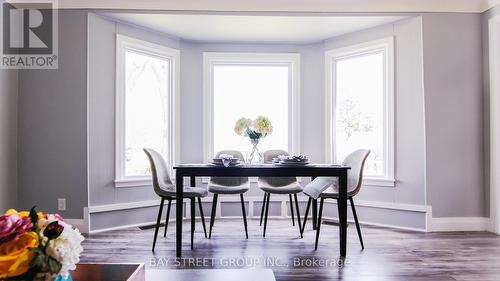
[
  {"x": 254, "y": 130},
  {"x": 37, "y": 246}
]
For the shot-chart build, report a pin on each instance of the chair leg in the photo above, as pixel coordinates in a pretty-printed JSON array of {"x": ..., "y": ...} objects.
[
  {"x": 193, "y": 210},
  {"x": 314, "y": 213},
  {"x": 167, "y": 217},
  {"x": 244, "y": 214},
  {"x": 357, "y": 223},
  {"x": 212, "y": 216},
  {"x": 158, "y": 222},
  {"x": 263, "y": 206},
  {"x": 291, "y": 210},
  {"x": 298, "y": 212},
  {"x": 265, "y": 216},
  {"x": 318, "y": 222},
  {"x": 305, "y": 217},
  {"x": 202, "y": 216}
]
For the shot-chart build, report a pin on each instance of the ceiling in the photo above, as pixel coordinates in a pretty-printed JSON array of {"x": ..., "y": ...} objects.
[
  {"x": 355, "y": 6},
  {"x": 248, "y": 29}
]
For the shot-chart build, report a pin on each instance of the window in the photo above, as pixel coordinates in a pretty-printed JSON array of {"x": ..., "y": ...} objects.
[
  {"x": 248, "y": 85},
  {"x": 360, "y": 106},
  {"x": 145, "y": 110}
]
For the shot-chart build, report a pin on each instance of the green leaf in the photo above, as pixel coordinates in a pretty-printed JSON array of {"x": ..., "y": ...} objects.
[
  {"x": 40, "y": 261},
  {"x": 54, "y": 266},
  {"x": 33, "y": 217},
  {"x": 44, "y": 263}
]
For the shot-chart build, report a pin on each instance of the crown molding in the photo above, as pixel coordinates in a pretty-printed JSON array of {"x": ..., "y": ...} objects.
[{"x": 316, "y": 6}]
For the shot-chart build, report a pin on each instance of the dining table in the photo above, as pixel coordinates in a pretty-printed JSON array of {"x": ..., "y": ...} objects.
[{"x": 264, "y": 170}]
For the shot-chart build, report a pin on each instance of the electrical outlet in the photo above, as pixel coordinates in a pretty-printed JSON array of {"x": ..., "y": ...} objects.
[{"x": 61, "y": 204}]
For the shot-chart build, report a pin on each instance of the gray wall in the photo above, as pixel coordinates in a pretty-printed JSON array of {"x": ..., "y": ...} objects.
[
  {"x": 312, "y": 95},
  {"x": 495, "y": 11},
  {"x": 454, "y": 114},
  {"x": 410, "y": 152},
  {"x": 101, "y": 63},
  {"x": 8, "y": 139},
  {"x": 101, "y": 110},
  {"x": 52, "y": 131},
  {"x": 53, "y": 114},
  {"x": 102, "y": 32}
]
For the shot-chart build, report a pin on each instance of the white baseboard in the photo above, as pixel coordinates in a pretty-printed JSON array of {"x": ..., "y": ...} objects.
[
  {"x": 81, "y": 224},
  {"x": 126, "y": 226},
  {"x": 432, "y": 224},
  {"x": 251, "y": 200},
  {"x": 284, "y": 198},
  {"x": 171, "y": 222},
  {"x": 458, "y": 224},
  {"x": 377, "y": 224}
]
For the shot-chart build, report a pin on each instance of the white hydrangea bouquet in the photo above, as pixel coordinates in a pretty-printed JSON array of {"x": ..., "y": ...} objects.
[
  {"x": 254, "y": 130},
  {"x": 37, "y": 246}
]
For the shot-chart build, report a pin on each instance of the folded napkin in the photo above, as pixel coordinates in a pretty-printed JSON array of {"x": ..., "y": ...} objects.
[
  {"x": 318, "y": 185},
  {"x": 299, "y": 158},
  {"x": 295, "y": 158},
  {"x": 226, "y": 159}
]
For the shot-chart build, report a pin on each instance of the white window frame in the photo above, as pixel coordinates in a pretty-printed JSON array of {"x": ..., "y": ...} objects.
[
  {"x": 124, "y": 43},
  {"x": 386, "y": 45},
  {"x": 494, "y": 68},
  {"x": 292, "y": 60}
]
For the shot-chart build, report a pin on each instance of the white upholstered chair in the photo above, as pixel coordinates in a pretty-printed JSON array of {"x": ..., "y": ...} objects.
[
  {"x": 278, "y": 185},
  {"x": 165, "y": 188},
  {"x": 327, "y": 188},
  {"x": 228, "y": 185}
]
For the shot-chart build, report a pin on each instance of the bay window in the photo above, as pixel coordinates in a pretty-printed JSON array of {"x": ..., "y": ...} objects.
[
  {"x": 146, "y": 89},
  {"x": 360, "y": 106},
  {"x": 249, "y": 85}
]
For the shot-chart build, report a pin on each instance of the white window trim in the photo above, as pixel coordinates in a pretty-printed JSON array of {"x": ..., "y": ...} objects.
[
  {"x": 210, "y": 59},
  {"x": 386, "y": 45},
  {"x": 124, "y": 43},
  {"x": 494, "y": 67}
]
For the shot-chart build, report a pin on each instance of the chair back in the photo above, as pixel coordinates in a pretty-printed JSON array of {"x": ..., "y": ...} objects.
[
  {"x": 356, "y": 160},
  {"x": 276, "y": 181},
  {"x": 162, "y": 182},
  {"x": 230, "y": 181}
]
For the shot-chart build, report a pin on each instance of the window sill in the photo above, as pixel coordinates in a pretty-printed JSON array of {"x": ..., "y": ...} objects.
[
  {"x": 379, "y": 182},
  {"x": 133, "y": 182}
]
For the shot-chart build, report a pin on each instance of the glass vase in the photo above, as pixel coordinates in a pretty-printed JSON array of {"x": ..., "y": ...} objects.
[
  {"x": 62, "y": 278},
  {"x": 255, "y": 151}
]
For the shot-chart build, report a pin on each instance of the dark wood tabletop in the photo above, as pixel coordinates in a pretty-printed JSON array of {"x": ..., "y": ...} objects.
[
  {"x": 263, "y": 170},
  {"x": 254, "y": 170},
  {"x": 109, "y": 272}
]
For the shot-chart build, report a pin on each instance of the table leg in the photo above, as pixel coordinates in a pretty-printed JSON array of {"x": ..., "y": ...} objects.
[
  {"x": 342, "y": 208},
  {"x": 178, "y": 212},
  {"x": 314, "y": 212}
]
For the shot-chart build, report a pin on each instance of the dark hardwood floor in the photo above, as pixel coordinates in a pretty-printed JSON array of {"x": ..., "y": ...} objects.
[{"x": 389, "y": 254}]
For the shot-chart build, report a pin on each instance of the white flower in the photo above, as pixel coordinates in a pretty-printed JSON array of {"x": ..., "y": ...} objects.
[
  {"x": 42, "y": 224},
  {"x": 66, "y": 248}
]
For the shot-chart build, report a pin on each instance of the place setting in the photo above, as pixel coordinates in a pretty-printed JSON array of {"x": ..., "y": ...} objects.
[
  {"x": 291, "y": 160},
  {"x": 225, "y": 160}
]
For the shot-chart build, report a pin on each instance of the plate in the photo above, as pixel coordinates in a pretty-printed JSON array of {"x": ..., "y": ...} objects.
[
  {"x": 219, "y": 160},
  {"x": 292, "y": 163},
  {"x": 219, "y": 164}
]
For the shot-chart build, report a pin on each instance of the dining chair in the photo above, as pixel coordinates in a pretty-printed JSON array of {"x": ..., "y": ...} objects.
[
  {"x": 327, "y": 188},
  {"x": 165, "y": 188},
  {"x": 228, "y": 185},
  {"x": 278, "y": 185}
]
